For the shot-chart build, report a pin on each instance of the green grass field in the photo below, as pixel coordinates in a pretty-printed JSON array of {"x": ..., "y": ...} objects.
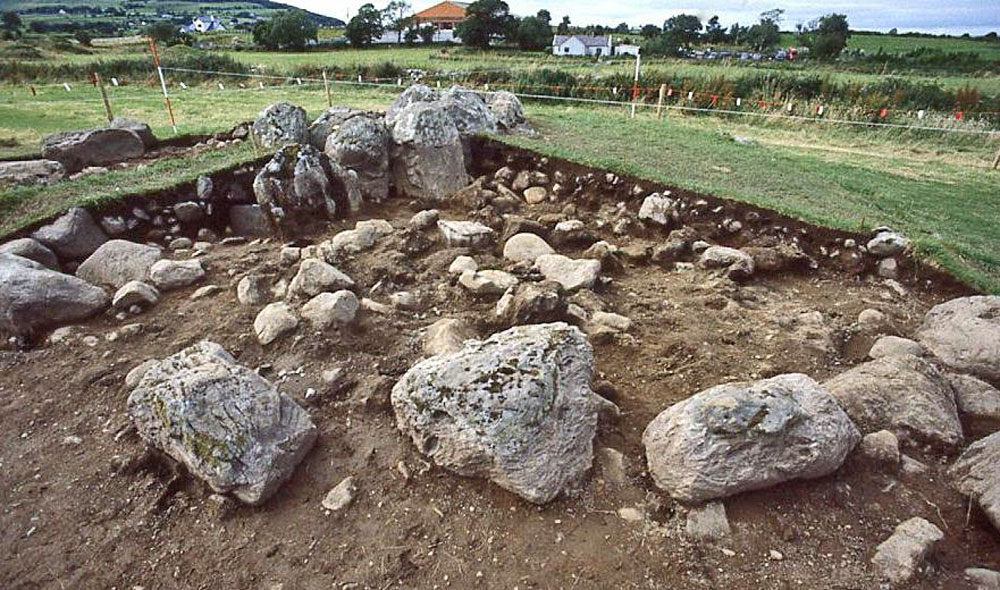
[{"x": 937, "y": 188}]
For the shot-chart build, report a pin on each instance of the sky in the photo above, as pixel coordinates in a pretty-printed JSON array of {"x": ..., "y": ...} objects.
[{"x": 976, "y": 17}]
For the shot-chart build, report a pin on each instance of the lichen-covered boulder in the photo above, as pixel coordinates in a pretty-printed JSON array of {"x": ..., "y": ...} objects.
[
  {"x": 77, "y": 150},
  {"x": 427, "y": 156},
  {"x": 964, "y": 334},
  {"x": 516, "y": 408},
  {"x": 509, "y": 111},
  {"x": 328, "y": 123},
  {"x": 977, "y": 475},
  {"x": 412, "y": 95},
  {"x": 468, "y": 110},
  {"x": 903, "y": 394},
  {"x": 33, "y": 297},
  {"x": 138, "y": 127},
  {"x": 117, "y": 262},
  {"x": 31, "y": 249},
  {"x": 361, "y": 144},
  {"x": 72, "y": 236},
  {"x": 737, "y": 437},
  {"x": 223, "y": 421},
  {"x": 299, "y": 184},
  {"x": 279, "y": 125},
  {"x": 31, "y": 172}
]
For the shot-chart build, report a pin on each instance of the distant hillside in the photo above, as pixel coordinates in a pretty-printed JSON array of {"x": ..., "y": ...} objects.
[{"x": 110, "y": 17}]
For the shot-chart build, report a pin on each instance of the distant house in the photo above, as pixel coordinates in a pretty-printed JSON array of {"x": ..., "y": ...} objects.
[
  {"x": 442, "y": 16},
  {"x": 625, "y": 49},
  {"x": 204, "y": 24},
  {"x": 582, "y": 45}
]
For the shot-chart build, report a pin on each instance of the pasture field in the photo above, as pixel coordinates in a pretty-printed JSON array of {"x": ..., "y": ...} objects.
[{"x": 938, "y": 188}]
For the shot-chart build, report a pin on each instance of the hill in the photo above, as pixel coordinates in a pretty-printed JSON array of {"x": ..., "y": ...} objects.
[{"x": 119, "y": 17}]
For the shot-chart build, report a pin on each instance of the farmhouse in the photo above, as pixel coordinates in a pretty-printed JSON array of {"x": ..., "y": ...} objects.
[
  {"x": 443, "y": 16},
  {"x": 203, "y": 24},
  {"x": 581, "y": 45}
]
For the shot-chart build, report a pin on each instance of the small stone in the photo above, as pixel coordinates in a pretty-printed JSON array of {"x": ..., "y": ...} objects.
[
  {"x": 656, "y": 209},
  {"x": 614, "y": 321},
  {"x": 289, "y": 255},
  {"x": 535, "y": 195},
  {"x": 207, "y": 235},
  {"x": 253, "y": 290},
  {"x": 425, "y": 219},
  {"x": 900, "y": 557},
  {"x": 888, "y": 268},
  {"x": 375, "y": 307},
  {"x": 72, "y": 441},
  {"x": 462, "y": 264},
  {"x": 466, "y": 234},
  {"x": 572, "y": 274},
  {"x": 180, "y": 244},
  {"x": 189, "y": 212},
  {"x": 895, "y": 346},
  {"x": 204, "y": 188},
  {"x": 526, "y": 247},
  {"x": 708, "y": 522},
  {"x": 775, "y": 555},
  {"x": 983, "y": 579},
  {"x": 881, "y": 449},
  {"x": 612, "y": 462},
  {"x": 887, "y": 243},
  {"x": 910, "y": 466},
  {"x": 629, "y": 514},
  {"x": 341, "y": 496},
  {"x": 273, "y": 321},
  {"x": 206, "y": 291},
  {"x": 326, "y": 309},
  {"x": 315, "y": 276},
  {"x": 173, "y": 274},
  {"x": 487, "y": 282},
  {"x": 404, "y": 300},
  {"x": 872, "y": 319},
  {"x": 135, "y": 293},
  {"x": 446, "y": 335}
]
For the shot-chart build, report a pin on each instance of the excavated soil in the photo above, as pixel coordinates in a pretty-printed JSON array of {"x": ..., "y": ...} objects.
[{"x": 84, "y": 505}]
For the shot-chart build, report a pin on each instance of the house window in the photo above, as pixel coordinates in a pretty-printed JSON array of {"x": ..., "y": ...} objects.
[
  {"x": 565, "y": 49},
  {"x": 598, "y": 51}
]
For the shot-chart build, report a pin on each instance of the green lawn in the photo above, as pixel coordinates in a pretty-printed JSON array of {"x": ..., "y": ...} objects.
[{"x": 937, "y": 188}]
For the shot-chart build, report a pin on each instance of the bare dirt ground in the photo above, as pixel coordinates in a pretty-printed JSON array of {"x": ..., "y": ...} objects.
[{"x": 82, "y": 505}]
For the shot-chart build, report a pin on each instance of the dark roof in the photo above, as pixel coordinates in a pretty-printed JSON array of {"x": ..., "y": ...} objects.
[{"x": 587, "y": 40}]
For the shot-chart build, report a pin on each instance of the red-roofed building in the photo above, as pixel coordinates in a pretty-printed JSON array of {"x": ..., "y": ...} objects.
[{"x": 444, "y": 15}]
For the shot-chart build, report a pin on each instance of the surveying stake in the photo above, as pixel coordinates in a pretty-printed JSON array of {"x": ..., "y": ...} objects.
[{"x": 163, "y": 83}]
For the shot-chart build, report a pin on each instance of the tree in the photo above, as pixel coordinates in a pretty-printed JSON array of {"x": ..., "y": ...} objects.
[
  {"x": 427, "y": 34},
  {"x": 397, "y": 14},
  {"x": 365, "y": 27},
  {"x": 545, "y": 16},
  {"x": 164, "y": 32},
  {"x": 485, "y": 19},
  {"x": 893, "y": 32},
  {"x": 622, "y": 29},
  {"x": 765, "y": 34},
  {"x": 290, "y": 29},
  {"x": 533, "y": 34},
  {"x": 650, "y": 31},
  {"x": 83, "y": 37},
  {"x": 563, "y": 28},
  {"x": 827, "y": 36},
  {"x": 410, "y": 36},
  {"x": 11, "y": 21},
  {"x": 683, "y": 29},
  {"x": 714, "y": 32},
  {"x": 736, "y": 34}
]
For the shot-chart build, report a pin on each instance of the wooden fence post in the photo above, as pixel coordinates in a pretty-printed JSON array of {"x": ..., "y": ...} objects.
[
  {"x": 104, "y": 95},
  {"x": 659, "y": 103},
  {"x": 996, "y": 160},
  {"x": 326, "y": 84}
]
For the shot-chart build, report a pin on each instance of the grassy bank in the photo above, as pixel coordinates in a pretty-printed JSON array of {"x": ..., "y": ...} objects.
[{"x": 936, "y": 187}]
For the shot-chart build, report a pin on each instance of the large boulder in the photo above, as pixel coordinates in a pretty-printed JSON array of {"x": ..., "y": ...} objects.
[
  {"x": 301, "y": 183},
  {"x": 904, "y": 394},
  {"x": 572, "y": 274},
  {"x": 977, "y": 475},
  {"x": 34, "y": 297},
  {"x": 328, "y": 123},
  {"x": 964, "y": 334},
  {"x": 138, "y": 127},
  {"x": 471, "y": 114},
  {"x": 427, "y": 156},
  {"x": 223, "y": 421},
  {"x": 507, "y": 108},
  {"x": 73, "y": 236},
  {"x": 737, "y": 437},
  {"x": 516, "y": 408},
  {"x": 31, "y": 249},
  {"x": 279, "y": 125},
  {"x": 117, "y": 262},
  {"x": 77, "y": 150},
  {"x": 361, "y": 144},
  {"x": 31, "y": 172},
  {"x": 414, "y": 94}
]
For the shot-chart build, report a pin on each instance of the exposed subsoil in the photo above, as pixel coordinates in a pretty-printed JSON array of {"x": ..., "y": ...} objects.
[{"x": 101, "y": 512}]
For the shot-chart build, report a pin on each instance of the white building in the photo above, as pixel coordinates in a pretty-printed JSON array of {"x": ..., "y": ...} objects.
[
  {"x": 582, "y": 45},
  {"x": 626, "y": 49},
  {"x": 203, "y": 24}
]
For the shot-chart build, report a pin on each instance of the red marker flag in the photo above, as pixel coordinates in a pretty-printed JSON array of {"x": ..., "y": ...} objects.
[{"x": 959, "y": 115}]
